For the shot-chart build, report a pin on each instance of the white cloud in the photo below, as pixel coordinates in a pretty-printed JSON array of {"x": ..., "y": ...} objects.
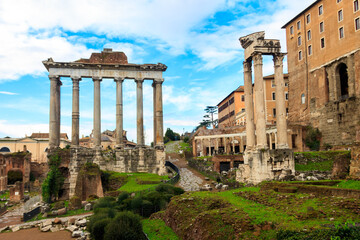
[{"x": 8, "y": 93}]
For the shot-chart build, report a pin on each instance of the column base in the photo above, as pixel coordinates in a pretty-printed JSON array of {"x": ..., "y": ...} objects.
[
  {"x": 74, "y": 146},
  {"x": 282, "y": 146},
  {"x": 262, "y": 147}
]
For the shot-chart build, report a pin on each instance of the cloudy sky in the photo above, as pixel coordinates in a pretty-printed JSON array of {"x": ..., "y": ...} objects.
[{"x": 196, "y": 39}]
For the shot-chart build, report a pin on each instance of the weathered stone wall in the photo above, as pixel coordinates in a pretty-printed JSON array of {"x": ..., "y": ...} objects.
[
  {"x": 17, "y": 192},
  {"x": 226, "y": 158},
  {"x": 18, "y": 161},
  {"x": 39, "y": 170},
  {"x": 266, "y": 165},
  {"x": 355, "y": 162},
  {"x": 3, "y": 175},
  {"x": 89, "y": 182}
]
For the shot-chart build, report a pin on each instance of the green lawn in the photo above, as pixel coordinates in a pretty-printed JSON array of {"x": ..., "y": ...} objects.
[
  {"x": 6, "y": 195},
  {"x": 320, "y": 166},
  {"x": 157, "y": 230},
  {"x": 349, "y": 184},
  {"x": 134, "y": 180}
]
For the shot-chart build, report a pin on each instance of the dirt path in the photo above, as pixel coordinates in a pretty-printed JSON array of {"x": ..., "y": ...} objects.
[
  {"x": 35, "y": 233},
  {"x": 190, "y": 179}
]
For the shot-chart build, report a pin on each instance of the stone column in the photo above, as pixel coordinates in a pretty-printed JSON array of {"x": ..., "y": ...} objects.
[
  {"x": 53, "y": 118},
  {"x": 261, "y": 142},
  {"x": 280, "y": 102},
  {"x": 241, "y": 145},
  {"x": 233, "y": 144},
  {"x": 97, "y": 113},
  {"x": 75, "y": 112},
  {"x": 249, "y": 106},
  {"x": 139, "y": 112},
  {"x": 154, "y": 112},
  {"x": 270, "y": 141},
  {"x": 159, "y": 114},
  {"x": 58, "y": 111},
  {"x": 217, "y": 146},
  {"x": 209, "y": 146},
  {"x": 119, "y": 113}
]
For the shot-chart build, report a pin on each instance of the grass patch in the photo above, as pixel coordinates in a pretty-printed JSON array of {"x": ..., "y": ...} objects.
[
  {"x": 349, "y": 184},
  {"x": 311, "y": 166},
  {"x": 157, "y": 229},
  {"x": 6, "y": 195},
  {"x": 133, "y": 180},
  {"x": 69, "y": 213}
]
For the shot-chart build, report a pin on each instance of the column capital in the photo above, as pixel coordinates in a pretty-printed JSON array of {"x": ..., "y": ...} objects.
[
  {"x": 97, "y": 78},
  {"x": 257, "y": 58},
  {"x": 158, "y": 80},
  {"x": 119, "y": 79},
  {"x": 278, "y": 58},
  {"x": 54, "y": 77},
  {"x": 75, "y": 78},
  {"x": 139, "y": 80}
]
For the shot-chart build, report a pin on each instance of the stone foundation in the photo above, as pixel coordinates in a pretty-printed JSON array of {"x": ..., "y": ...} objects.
[
  {"x": 355, "y": 163},
  {"x": 266, "y": 165},
  {"x": 120, "y": 160}
]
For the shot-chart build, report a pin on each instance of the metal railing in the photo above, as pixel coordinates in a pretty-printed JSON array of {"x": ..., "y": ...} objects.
[{"x": 176, "y": 178}]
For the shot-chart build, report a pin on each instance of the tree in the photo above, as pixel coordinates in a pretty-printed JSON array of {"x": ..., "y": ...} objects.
[
  {"x": 170, "y": 135},
  {"x": 54, "y": 179},
  {"x": 208, "y": 118}
]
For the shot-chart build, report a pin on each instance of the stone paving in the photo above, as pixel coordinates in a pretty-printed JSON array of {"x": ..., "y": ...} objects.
[{"x": 189, "y": 181}]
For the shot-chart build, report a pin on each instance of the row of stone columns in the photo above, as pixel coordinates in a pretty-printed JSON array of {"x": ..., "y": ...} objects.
[
  {"x": 54, "y": 128},
  {"x": 261, "y": 140}
]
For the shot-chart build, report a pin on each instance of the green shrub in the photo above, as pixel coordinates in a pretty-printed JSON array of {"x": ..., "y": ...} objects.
[
  {"x": 122, "y": 196},
  {"x": 313, "y": 137},
  {"x": 168, "y": 188},
  {"x": 75, "y": 203},
  {"x": 343, "y": 232},
  {"x": 106, "y": 202},
  {"x": 14, "y": 176},
  {"x": 54, "y": 179},
  {"x": 126, "y": 225},
  {"x": 58, "y": 205},
  {"x": 98, "y": 228}
]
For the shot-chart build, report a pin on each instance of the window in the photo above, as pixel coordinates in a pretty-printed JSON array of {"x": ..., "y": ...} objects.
[
  {"x": 308, "y": 18},
  {"x": 303, "y": 98},
  {"x": 300, "y": 55},
  {"x": 357, "y": 24},
  {"x": 287, "y": 111},
  {"x": 322, "y": 42},
  {"x": 286, "y": 96},
  {"x": 309, "y": 35},
  {"x": 338, "y": 1},
  {"x": 341, "y": 32},
  {"x": 243, "y": 98},
  {"x": 273, "y": 96},
  {"x": 321, "y": 27},
  {"x": 286, "y": 84},
  {"x": 356, "y": 5},
  {"x": 340, "y": 15},
  {"x": 298, "y": 25},
  {"x": 243, "y": 110},
  {"x": 274, "y": 112},
  {"x": 273, "y": 83},
  {"x": 321, "y": 9},
  {"x": 291, "y": 30},
  {"x": 309, "y": 50},
  {"x": 299, "y": 40}
]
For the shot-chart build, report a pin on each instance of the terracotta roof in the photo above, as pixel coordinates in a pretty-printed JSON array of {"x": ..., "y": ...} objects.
[
  {"x": 106, "y": 56},
  {"x": 46, "y": 135}
]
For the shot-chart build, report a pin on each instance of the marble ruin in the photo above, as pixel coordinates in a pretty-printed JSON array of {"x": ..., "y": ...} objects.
[
  {"x": 108, "y": 65},
  {"x": 260, "y": 162}
]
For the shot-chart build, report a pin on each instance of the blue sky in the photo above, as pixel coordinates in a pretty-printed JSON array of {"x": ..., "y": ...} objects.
[{"x": 196, "y": 39}]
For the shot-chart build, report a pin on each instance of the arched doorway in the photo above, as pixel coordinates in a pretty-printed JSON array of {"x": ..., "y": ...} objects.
[
  {"x": 14, "y": 176},
  {"x": 343, "y": 79},
  {"x": 4, "y": 149}
]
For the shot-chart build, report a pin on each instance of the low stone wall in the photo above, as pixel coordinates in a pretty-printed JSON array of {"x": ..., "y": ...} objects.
[
  {"x": 355, "y": 163},
  {"x": 217, "y": 159}
]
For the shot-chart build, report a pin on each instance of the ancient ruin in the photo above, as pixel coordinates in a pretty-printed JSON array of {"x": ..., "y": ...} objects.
[
  {"x": 260, "y": 162},
  {"x": 108, "y": 65}
]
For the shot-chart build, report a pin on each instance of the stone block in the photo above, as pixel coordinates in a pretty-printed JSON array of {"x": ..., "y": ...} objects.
[
  {"x": 15, "y": 229},
  {"x": 88, "y": 207},
  {"x": 54, "y": 229},
  {"x": 225, "y": 187},
  {"x": 46, "y": 223},
  {"x": 57, "y": 221},
  {"x": 81, "y": 222},
  {"x": 62, "y": 211},
  {"x": 46, "y": 229},
  {"x": 76, "y": 234},
  {"x": 72, "y": 228}
]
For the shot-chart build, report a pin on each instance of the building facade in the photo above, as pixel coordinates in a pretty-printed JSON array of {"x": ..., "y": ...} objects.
[
  {"x": 37, "y": 144},
  {"x": 231, "y": 110},
  {"x": 323, "y": 44}
]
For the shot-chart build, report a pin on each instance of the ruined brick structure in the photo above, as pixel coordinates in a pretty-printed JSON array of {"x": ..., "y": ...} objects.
[{"x": 323, "y": 44}]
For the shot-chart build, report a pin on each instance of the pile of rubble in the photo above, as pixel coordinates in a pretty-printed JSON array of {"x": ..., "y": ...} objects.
[
  {"x": 76, "y": 226},
  {"x": 218, "y": 186}
]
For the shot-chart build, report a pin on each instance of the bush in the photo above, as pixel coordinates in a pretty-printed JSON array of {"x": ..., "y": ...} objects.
[
  {"x": 126, "y": 225},
  {"x": 75, "y": 203},
  {"x": 106, "y": 202},
  {"x": 186, "y": 139},
  {"x": 168, "y": 188},
  {"x": 54, "y": 179},
  {"x": 98, "y": 228},
  {"x": 312, "y": 139}
]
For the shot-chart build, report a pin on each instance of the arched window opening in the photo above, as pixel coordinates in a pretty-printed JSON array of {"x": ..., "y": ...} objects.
[
  {"x": 4, "y": 149},
  {"x": 303, "y": 98},
  {"x": 344, "y": 80},
  {"x": 14, "y": 176}
]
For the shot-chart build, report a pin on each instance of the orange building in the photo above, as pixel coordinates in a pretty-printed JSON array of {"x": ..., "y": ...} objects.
[
  {"x": 323, "y": 44},
  {"x": 231, "y": 110}
]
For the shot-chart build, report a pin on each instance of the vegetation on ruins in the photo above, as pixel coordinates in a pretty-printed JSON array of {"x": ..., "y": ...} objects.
[
  {"x": 120, "y": 216},
  {"x": 54, "y": 179},
  {"x": 157, "y": 229},
  {"x": 170, "y": 135},
  {"x": 318, "y": 160},
  {"x": 313, "y": 137}
]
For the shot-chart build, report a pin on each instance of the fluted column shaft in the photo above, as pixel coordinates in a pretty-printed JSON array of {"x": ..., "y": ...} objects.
[
  {"x": 249, "y": 106},
  {"x": 52, "y": 115},
  {"x": 58, "y": 111},
  {"x": 97, "y": 113},
  {"x": 159, "y": 114},
  {"x": 154, "y": 109},
  {"x": 260, "y": 103},
  {"x": 280, "y": 102},
  {"x": 119, "y": 113},
  {"x": 139, "y": 112},
  {"x": 75, "y": 112}
]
